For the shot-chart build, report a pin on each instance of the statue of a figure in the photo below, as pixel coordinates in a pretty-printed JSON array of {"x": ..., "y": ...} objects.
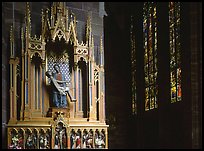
[
  {"x": 78, "y": 141},
  {"x": 99, "y": 142},
  {"x": 29, "y": 142},
  {"x": 59, "y": 89},
  {"x": 56, "y": 142},
  {"x": 41, "y": 139},
  {"x": 15, "y": 143},
  {"x": 73, "y": 140}
]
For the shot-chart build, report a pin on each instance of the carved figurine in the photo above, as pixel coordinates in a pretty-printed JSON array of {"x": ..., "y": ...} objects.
[
  {"x": 99, "y": 141},
  {"x": 59, "y": 89}
]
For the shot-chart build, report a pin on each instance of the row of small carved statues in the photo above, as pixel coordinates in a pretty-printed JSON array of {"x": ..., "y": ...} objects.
[{"x": 85, "y": 139}]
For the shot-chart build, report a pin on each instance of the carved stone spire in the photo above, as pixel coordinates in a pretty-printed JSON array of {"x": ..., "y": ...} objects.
[
  {"x": 59, "y": 8},
  {"x": 22, "y": 40},
  {"x": 11, "y": 42},
  {"x": 88, "y": 30},
  {"x": 101, "y": 51},
  {"x": 28, "y": 20},
  {"x": 92, "y": 46},
  {"x": 42, "y": 19}
]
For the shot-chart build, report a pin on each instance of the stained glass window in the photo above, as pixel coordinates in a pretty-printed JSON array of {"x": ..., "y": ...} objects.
[
  {"x": 150, "y": 55},
  {"x": 175, "y": 56},
  {"x": 133, "y": 68}
]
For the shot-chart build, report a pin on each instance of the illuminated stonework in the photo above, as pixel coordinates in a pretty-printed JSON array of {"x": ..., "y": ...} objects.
[{"x": 41, "y": 125}]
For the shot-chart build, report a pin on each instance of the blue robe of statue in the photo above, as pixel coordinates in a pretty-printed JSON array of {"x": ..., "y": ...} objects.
[{"x": 59, "y": 100}]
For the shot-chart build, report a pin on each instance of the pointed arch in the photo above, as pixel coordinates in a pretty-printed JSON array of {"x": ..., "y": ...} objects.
[
  {"x": 72, "y": 33},
  {"x": 59, "y": 27}
]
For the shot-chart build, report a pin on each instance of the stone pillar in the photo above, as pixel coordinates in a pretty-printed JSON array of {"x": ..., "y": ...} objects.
[
  {"x": 13, "y": 88},
  {"x": 106, "y": 135},
  {"x": 68, "y": 138}
]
